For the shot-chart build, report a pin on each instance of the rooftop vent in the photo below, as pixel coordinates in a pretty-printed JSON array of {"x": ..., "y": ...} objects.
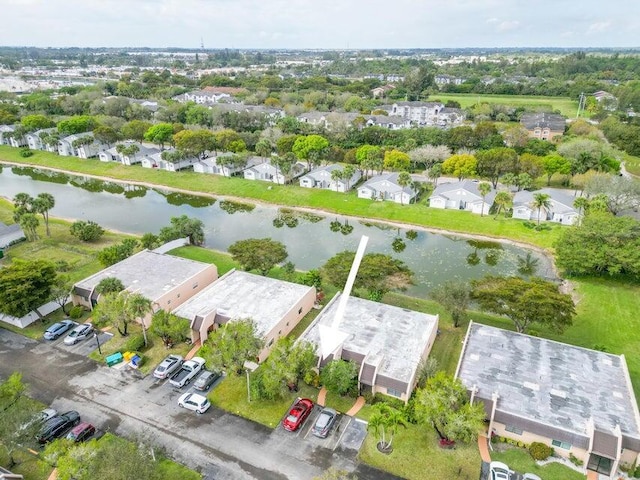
[
  {"x": 558, "y": 393},
  {"x": 475, "y": 357},
  {"x": 532, "y": 386}
]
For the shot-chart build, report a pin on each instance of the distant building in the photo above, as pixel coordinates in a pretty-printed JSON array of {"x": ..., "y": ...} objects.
[
  {"x": 543, "y": 126},
  {"x": 560, "y": 209},
  {"x": 386, "y": 187},
  {"x": 321, "y": 178},
  {"x": 461, "y": 196}
]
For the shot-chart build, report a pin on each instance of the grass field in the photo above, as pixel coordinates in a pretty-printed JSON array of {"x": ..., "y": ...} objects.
[
  {"x": 632, "y": 164},
  {"x": 519, "y": 459},
  {"x": 417, "y": 456},
  {"x": 566, "y": 106},
  {"x": 295, "y": 196}
]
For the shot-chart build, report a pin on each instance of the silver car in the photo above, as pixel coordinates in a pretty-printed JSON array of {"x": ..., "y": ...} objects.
[
  {"x": 324, "y": 422},
  {"x": 81, "y": 332},
  {"x": 57, "y": 329},
  {"x": 168, "y": 366}
]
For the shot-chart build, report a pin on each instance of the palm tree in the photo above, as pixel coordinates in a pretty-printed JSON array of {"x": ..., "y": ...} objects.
[
  {"x": 386, "y": 419},
  {"x": 42, "y": 204},
  {"x": 484, "y": 188},
  {"x": 404, "y": 180},
  {"x": 139, "y": 306},
  {"x": 29, "y": 223},
  {"x": 347, "y": 173},
  {"x": 502, "y": 200},
  {"x": 581, "y": 203},
  {"x": 336, "y": 175},
  {"x": 540, "y": 201}
]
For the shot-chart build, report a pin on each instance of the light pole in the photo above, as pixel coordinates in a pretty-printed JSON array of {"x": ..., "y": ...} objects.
[
  {"x": 95, "y": 335},
  {"x": 249, "y": 367}
]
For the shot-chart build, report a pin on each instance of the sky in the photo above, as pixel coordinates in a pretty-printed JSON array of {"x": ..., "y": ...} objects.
[{"x": 321, "y": 24}]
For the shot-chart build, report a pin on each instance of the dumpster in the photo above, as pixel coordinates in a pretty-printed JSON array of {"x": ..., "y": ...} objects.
[{"x": 114, "y": 359}]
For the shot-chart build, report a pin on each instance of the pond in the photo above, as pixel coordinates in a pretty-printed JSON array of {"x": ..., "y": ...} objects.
[{"x": 310, "y": 239}]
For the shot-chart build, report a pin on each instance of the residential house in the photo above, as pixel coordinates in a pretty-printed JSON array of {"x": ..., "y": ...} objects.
[
  {"x": 560, "y": 210},
  {"x": 34, "y": 140},
  {"x": 86, "y": 150},
  {"x": 579, "y": 401},
  {"x": 448, "y": 80},
  {"x": 112, "y": 154},
  {"x": 5, "y": 134},
  {"x": 109, "y": 155},
  {"x": 209, "y": 96},
  {"x": 386, "y": 187},
  {"x": 274, "y": 305},
  {"x": 10, "y": 234},
  {"x": 427, "y": 114},
  {"x": 387, "y": 343},
  {"x": 543, "y": 126},
  {"x": 166, "y": 280},
  {"x": 388, "y": 122},
  {"x": 606, "y": 100},
  {"x": 16, "y": 140},
  {"x": 155, "y": 160},
  {"x": 461, "y": 196},
  {"x": 321, "y": 178},
  {"x": 379, "y": 92},
  {"x": 317, "y": 119},
  {"x": 268, "y": 172},
  {"x": 215, "y": 165}
]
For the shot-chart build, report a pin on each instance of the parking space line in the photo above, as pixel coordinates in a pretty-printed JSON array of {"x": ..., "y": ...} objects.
[{"x": 344, "y": 430}]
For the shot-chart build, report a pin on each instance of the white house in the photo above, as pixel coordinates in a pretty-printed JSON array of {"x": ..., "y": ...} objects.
[
  {"x": 427, "y": 113},
  {"x": 321, "y": 178},
  {"x": 109, "y": 155},
  {"x": 5, "y": 130},
  {"x": 112, "y": 155},
  {"x": 215, "y": 165},
  {"x": 386, "y": 187},
  {"x": 67, "y": 149},
  {"x": 17, "y": 142},
  {"x": 389, "y": 122},
  {"x": 268, "y": 172},
  {"x": 461, "y": 196},
  {"x": 560, "y": 210},
  {"x": 155, "y": 160},
  {"x": 34, "y": 140}
]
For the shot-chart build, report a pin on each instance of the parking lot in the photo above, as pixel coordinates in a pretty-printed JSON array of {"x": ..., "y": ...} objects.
[{"x": 83, "y": 347}]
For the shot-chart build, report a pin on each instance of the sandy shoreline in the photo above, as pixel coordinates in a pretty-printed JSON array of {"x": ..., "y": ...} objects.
[{"x": 317, "y": 211}]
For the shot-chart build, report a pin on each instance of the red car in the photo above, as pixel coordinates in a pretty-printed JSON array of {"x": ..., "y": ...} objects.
[{"x": 298, "y": 414}]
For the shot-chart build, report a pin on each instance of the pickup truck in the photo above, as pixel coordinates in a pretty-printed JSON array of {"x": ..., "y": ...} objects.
[{"x": 188, "y": 372}]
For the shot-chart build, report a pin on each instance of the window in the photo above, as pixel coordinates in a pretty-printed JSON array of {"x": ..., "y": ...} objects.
[
  {"x": 178, "y": 295},
  {"x": 168, "y": 302},
  {"x": 558, "y": 443},
  {"x": 270, "y": 343},
  {"x": 195, "y": 285},
  {"x": 394, "y": 393},
  {"x": 300, "y": 311},
  {"x": 512, "y": 429},
  {"x": 279, "y": 332}
]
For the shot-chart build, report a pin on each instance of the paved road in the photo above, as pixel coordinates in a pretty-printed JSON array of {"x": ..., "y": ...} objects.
[{"x": 220, "y": 445}]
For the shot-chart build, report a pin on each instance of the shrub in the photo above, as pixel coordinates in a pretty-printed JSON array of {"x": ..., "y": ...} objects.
[
  {"x": 134, "y": 344},
  {"x": 575, "y": 460},
  {"x": 25, "y": 152},
  {"x": 86, "y": 231},
  {"x": 540, "y": 451},
  {"x": 76, "y": 312}
]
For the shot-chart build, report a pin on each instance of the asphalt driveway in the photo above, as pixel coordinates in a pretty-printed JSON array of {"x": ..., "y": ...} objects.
[{"x": 220, "y": 445}]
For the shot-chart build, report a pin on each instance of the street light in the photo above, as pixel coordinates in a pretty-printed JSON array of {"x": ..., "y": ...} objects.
[
  {"x": 95, "y": 335},
  {"x": 249, "y": 367}
]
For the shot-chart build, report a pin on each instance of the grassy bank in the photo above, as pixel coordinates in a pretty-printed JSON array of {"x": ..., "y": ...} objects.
[
  {"x": 295, "y": 196},
  {"x": 519, "y": 459},
  {"x": 566, "y": 106}
]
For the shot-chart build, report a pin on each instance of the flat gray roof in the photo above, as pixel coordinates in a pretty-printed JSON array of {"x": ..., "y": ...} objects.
[
  {"x": 239, "y": 295},
  {"x": 549, "y": 382},
  {"x": 148, "y": 273},
  {"x": 395, "y": 336}
]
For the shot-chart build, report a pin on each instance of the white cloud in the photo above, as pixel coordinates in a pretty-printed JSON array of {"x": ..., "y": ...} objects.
[
  {"x": 599, "y": 27},
  {"x": 508, "y": 25}
]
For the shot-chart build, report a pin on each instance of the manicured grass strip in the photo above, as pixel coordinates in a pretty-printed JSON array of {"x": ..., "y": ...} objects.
[
  {"x": 519, "y": 460},
  {"x": 222, "y": 260},
  {"x": 231, "y": 395},
  {"x": 566, "y": 106},
  {"x": 295, "y": 196},
  {"x": 417, "y": 456}
]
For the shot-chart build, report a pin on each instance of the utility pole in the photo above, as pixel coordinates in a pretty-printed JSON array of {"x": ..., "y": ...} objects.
[{"x": 581, "y": 104}]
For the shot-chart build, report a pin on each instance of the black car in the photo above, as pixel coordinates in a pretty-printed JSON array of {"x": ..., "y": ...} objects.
[
  {"x": 206, "y": 379},
  {"x": 57, "y": 426}
]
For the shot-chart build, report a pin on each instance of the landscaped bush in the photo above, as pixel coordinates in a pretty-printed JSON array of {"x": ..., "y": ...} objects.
[
  {"x": 76, "y": 312},
  {"x": 134, "y": 344},
  {"x": 25, "y": 152},
  {"x": 575, "y": 460},
  {"x": 540, "y": 451}
]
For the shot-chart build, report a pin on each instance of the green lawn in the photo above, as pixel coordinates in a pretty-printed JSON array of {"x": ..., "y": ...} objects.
[
  {"x": 566, "y": 106},
  {"x": 231, "y": 395},
  {"x": 416, "y": 455},
  {"x": 519, "y": 460},
  {"x": 295, "y": 196},
  {"x": 632, "y": 164},
  {"x": 31, "y": 466},
  {"x": 223, "y": 261}
]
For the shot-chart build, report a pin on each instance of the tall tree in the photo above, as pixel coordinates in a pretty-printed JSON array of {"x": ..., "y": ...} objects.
[
  {"x": 340, "y": 376},
  {"x": 232, "y": 344},
  {"x": 554, "y": 163},
  {"x": 444, "y": 404},
  {"x": 159, "y": 134},
  {"x": 404, "y": 180},
  {"x": 461, "y": 165},
  {"x": 42, "y": 204},
  {"x": 396, "y": 161},
  {"x": 61, "y": 291},
  {"x": 384, "y": 421},
  {"x": 29, "y": 224},
  {"x": 260, "y": 254},
  {"x": 541, "y": 201},
  {"x": 170, "y": 328},
  {"x": 494, "y": 163},
  {"x": 525, "y": 301},
  {"x": 310, "y": 148},
  {"x": 455, "y": 297},
  {"x": 484, "y": 188},
  {"x": 25, "y": 286},
  {"x": 503, "y": 201},
  {"x": 181, "y": 227}
]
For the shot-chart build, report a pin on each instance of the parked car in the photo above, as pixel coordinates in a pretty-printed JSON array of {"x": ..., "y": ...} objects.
[
  {"x": 81, "y": 332},
  {"x": 530, "y": 476},
  {"x": 168, "y": 366},
  {"x": 206, "y": 379},
  {"x": 40, "y": 417},
  {"x": 195, "y": 402},
  {"x": 499, "y": 471},
  {"x": 187, "y": 372},
  {"x": 298, "y": 414},
  {"x": 324, "y": 422},
  {"x": 81, "y": 432},
  {"x": 57, "y": 426},
  {"x": 57, "y": 329}
]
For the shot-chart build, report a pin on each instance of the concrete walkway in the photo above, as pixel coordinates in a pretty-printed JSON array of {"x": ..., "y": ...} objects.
[
  {"x": 194, "y": 350},
  {"x": 360, "y": 401},
  {"x": 322, "y": 397},
  {"x": 483, "y": 446}
]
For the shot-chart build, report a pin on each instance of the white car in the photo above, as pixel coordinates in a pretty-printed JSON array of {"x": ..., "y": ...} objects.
[
  {"x": 81, "y": 332},
  {"x": 499, "y": 471},
  {"x": 195, "y": 402}
]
